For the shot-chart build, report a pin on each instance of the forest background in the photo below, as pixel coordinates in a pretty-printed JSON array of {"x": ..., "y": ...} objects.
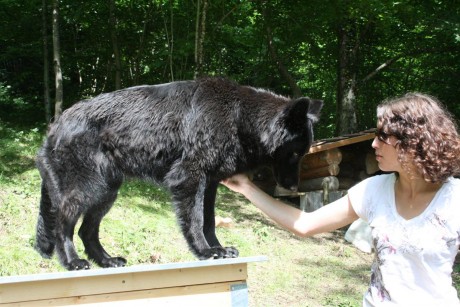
[{"x": 352, "y": 54}]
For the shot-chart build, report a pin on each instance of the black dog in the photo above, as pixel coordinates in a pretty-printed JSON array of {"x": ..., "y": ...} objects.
[{"x": 186, "y": 136}]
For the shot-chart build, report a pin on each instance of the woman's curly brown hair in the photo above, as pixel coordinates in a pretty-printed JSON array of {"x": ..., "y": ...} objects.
[{"x": 427, "y": 135}]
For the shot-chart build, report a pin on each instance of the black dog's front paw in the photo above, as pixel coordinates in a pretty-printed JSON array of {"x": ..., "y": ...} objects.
[
  {"x": 231, "y": 252},
  {"x": 113, "y": 262},
  {"x": 218, "y": 252},
  {"x": 78, "y": 264}
]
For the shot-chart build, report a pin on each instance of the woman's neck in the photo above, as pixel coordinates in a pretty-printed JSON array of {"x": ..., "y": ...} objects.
[
  {"x": 415, "y": 185},
  {"x": 413, "y": 195}
]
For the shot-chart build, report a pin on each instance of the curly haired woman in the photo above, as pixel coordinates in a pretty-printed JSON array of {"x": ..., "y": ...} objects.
[{"x": 413, "y": 210}]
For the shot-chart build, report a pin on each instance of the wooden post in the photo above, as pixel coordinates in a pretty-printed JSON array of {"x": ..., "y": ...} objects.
[
  {"x": 313, "y": 200},
  {"x": 220, "y": 282}
]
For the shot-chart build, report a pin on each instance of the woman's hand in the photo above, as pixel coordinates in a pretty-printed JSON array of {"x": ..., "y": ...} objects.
[{"x": 237, "y": 183}]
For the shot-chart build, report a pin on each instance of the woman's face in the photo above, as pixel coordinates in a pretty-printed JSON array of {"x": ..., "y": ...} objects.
[{"x": 386, "y": 152}]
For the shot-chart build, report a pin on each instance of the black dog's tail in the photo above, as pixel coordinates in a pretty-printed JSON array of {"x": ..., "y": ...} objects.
[{"x": 45, "y": 238}]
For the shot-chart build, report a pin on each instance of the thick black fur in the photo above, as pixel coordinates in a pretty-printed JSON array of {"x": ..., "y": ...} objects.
[{"x": 186, "y": 136}]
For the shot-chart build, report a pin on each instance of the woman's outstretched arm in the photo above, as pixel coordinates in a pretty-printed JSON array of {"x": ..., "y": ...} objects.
[{"x": 333, "y": 216}]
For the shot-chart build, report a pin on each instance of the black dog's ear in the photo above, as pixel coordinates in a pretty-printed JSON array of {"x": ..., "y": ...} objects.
[
  {"x": 302, "y": 109},
  {"x": 314, "y": 108}
]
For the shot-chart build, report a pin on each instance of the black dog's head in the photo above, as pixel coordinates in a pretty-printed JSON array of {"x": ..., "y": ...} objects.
[{"x": 297, "y": 121}]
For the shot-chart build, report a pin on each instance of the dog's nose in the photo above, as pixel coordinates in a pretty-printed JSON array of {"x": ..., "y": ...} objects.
[{"x": 293, "y": 188}]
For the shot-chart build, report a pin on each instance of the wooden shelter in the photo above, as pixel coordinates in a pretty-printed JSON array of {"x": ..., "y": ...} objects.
[{"x": 328, "y": 170}]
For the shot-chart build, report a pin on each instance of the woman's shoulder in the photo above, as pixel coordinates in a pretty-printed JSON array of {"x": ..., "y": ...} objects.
[
  {"x": 367, "y": 194},
  {"x": 380, "y": 179},
  {"x": 453, "y": 185},
  {"x": 447, "y": 201},
  {"x": 372, "y": 185}
]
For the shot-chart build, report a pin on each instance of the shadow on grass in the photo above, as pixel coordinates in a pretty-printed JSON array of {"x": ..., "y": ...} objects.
[
  {"x": 146, "y": 196},
  {"x": 353, "y": 274},
  {"x": 18, "y": 148},
  {"x": 237, "y": 206},
  {"x": 13, "y": 163},
  {"x": 227, "y": 202}
]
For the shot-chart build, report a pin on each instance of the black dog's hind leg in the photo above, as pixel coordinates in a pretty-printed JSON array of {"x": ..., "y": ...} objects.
[
  {"x": 68, "y": 215},
  {"x": 209, "y": 221},
  {"x": 89, "y": 234},
  {"x": 45, "y": 239}
]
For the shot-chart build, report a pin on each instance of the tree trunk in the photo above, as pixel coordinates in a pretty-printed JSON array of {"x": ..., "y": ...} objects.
[
  {"x": 75, "y": 74},
  {"x": 296, "y": 92},
  {"x": 169, "y": 30},
  {"x": 46, "y": 64},
  {"x": 346, "y": 92},
  {"x": 197, "y": 31},
  {"x": 57, "y": 62},
  {"x": 171, "y": 40},
  {"x": 200, "y": 30},
  {"x": 116, "y": 50}
]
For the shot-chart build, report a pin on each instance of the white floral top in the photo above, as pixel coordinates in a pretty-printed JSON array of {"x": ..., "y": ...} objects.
[{"x": 414, "y": 258}]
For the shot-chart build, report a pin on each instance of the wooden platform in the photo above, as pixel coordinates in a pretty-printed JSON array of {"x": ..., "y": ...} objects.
[{"x": 220, "y": 282}]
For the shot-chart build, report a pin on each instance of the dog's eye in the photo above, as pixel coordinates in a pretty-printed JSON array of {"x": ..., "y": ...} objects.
[{"x": 295, "y": 155}]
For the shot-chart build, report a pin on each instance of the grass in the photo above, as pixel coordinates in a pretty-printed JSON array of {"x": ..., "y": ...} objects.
[{"x": 319, "y": 271}]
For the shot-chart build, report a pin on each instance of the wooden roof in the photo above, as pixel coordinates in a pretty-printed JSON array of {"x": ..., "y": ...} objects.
[{"x": 325, "y": 144}]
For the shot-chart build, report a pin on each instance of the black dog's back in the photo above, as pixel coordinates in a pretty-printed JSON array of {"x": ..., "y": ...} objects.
[
  {"x": 146, "y": 129},
  {"x": 185, "y": 135}
]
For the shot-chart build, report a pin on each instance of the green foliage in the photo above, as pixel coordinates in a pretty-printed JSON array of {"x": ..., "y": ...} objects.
[
  {"x": 6, "y": 99},
  {"x": 17, "y": 110},
  {"x": 156, "y": 41},
  {"x": 262, "y": 232}
]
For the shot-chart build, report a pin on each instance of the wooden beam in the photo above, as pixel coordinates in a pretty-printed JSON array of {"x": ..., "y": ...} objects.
[
  {"x": 329, "y": 170},
  {"x": 346, "y": 141},
  {"x": 194, "y": 295},
  {"x": 329, "y": 182},
  {"x": 145, "y": 282}
]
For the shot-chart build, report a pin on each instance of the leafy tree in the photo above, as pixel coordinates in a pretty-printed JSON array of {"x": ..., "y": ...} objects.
[{"x": 352, "y": 54}]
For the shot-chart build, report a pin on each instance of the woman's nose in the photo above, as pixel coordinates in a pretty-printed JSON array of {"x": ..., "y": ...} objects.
[{"x": 375, "y": 143}]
